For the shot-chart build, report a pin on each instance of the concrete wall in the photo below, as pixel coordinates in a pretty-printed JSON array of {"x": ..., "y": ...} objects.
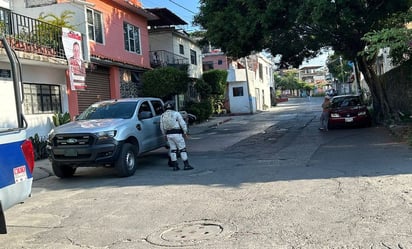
[{"x": 239, "y": 104}]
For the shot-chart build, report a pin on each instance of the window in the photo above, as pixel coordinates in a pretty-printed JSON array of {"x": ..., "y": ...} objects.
[
  {"x": 219, "y": 62},
  {"x": 131, "y": 38},
  {"x": 207, "y": 65},
  {"x": 260, "y": 71},
  {"x": 158, "y": 107},
  {"x": 193, "y": 56},
  {"x": 41, "y": 98},
  {"x": 181, "y": 49},
  {"x": 237, "y": 91},
  {"x": 94, "y": 25}
]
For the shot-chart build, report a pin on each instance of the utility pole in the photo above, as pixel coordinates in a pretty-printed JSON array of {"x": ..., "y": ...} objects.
[{"x": 248, "y": 90}]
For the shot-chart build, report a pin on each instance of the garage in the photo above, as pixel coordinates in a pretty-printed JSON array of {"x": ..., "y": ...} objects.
[{"x": 98, "y": 87}]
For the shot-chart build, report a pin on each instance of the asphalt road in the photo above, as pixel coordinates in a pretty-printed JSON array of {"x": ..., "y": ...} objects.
[{"x": 268, "y": 180}]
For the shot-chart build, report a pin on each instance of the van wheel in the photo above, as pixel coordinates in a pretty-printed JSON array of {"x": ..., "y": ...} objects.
[
  {"x": 126, "y": 164},
  {"x": 63, "y": 171}
]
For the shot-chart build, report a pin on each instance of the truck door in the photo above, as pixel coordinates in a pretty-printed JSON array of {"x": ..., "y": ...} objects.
[{"x": 16, "y": 152}]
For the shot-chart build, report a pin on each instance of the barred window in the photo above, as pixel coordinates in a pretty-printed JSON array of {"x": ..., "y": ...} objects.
[{"x": 41, "y": 98}]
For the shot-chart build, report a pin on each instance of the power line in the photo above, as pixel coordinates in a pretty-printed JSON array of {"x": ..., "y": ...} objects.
[{"x": 182, "y": 7}]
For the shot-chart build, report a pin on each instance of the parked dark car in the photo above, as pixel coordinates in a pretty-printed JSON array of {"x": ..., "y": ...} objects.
[{"x": 349, "y": 111}]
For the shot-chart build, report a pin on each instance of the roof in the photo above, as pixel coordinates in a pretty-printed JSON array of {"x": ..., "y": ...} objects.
[
  {"x": 166, "y": 18},
  {"x": 136, "y": 8}
]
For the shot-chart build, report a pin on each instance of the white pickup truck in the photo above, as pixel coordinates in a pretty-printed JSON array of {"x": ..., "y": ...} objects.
[{"x": 110, "y": 133}]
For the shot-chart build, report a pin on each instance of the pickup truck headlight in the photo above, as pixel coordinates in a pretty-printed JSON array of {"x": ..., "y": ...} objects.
[
  {"x": 335, "y": 115},
  {"x": 50, "y": 135},
  {"x": 106, "y": 134}
]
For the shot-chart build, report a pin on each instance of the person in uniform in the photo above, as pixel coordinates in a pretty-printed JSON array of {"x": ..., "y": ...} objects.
[{"x": 175, "y": 129}]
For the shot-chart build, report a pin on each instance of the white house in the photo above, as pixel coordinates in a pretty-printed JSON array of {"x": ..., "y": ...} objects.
[{"x": 249, "y": 90}]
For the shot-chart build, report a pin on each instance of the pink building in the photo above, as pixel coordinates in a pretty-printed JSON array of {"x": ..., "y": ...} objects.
[{"x": 215, "y": 60}]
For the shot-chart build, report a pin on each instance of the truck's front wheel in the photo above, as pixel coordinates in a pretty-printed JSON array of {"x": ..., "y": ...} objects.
[
  {"x": 126, "y": 164},
  {"x": 63, "y": 171}
]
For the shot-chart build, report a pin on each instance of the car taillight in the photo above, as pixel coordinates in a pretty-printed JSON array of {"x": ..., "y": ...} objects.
[{"x": 28, "y": 152}]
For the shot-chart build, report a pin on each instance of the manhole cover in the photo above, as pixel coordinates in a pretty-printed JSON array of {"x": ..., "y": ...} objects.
[{"x": 190, "y": 233}]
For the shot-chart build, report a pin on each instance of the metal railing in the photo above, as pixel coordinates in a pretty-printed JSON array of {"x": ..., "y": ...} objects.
[
  {"x": 161, "y": 58},
  {"x": 31, "y": 35}
]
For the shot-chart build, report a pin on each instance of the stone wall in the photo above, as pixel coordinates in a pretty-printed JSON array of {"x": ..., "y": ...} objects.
[{"x": 398, "y": 85}]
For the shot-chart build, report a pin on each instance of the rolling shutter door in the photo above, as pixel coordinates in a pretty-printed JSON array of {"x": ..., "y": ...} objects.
[{"x": 98, "y": 88}]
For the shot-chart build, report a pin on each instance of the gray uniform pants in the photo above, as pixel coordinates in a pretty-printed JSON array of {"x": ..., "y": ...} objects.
[{"x": 177, "y": 142}]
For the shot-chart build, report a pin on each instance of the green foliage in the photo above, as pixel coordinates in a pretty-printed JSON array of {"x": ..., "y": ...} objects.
[
  {"x": 289, "y": 80},
  {"x": 203, "y": 89},
  {"x": 39, "y": 146},
  {"x": 49, "y": 32},
  {"x": 203, "y": 110},
  {"x": 61, "y": 21},
  {"x": 217, "y": 80},
  {"x": 293, "y": 29},
  {"x": 339, "y": 69},
  {"x": 394, "y": 35},
  {"x": 61, "y": 118},
  {"x": 164, "y": 82},
  {"x": 399, "y": 40}
]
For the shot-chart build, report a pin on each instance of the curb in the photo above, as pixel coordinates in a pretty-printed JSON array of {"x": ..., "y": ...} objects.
[{"x": 219, "y": 123}]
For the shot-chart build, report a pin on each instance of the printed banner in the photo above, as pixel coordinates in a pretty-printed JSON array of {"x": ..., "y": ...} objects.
[{"x": 72, "y": 43}]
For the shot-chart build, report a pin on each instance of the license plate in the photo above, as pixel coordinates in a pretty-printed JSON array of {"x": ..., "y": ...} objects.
[
  {"x": 70, "y": 153},
  {"x": 348, "y": 120}
]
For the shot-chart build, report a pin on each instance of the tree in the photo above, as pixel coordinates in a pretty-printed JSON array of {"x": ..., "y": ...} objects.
[
  {"x": 165, "y": 82},
  {"x": 339, "y": 68},
  {"x": 300, "y": 29},
  {"x": 396, "y": 36}
]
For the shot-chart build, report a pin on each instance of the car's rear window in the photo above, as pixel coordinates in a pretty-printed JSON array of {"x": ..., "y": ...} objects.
[
  {"x": 109, "y": 110},
  {"x": 346, "y": 101}
]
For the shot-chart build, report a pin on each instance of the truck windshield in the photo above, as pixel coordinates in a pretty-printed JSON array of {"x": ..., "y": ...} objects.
[{"x": 108, "y": 110}]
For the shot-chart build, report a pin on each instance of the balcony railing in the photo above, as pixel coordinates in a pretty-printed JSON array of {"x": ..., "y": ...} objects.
[
  {"x": 31, "y": 35},
  {"x": 163, "y": 58}
]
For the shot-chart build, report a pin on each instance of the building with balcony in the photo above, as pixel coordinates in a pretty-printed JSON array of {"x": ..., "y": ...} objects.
[
  {"x": 115, "y": 48},
  {"x": 172, "y": 46},
  {"x": 43, "y": 65}
]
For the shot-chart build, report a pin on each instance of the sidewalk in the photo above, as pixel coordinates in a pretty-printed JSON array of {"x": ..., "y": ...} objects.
[{"x": 43, "y": 168}]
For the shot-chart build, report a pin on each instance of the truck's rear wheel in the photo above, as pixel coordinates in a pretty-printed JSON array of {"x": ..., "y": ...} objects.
[
  {"x": 63, "y": 171},
  {"x": 126, "y": 164}
]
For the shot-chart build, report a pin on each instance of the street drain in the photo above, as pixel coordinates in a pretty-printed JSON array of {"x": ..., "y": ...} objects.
[{"x": 190, "y": 233}]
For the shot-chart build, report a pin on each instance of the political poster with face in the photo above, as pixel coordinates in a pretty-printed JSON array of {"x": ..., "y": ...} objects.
[{"x": 72, "y": 43}]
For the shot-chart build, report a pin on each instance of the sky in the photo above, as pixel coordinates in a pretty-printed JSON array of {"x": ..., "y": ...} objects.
[{"x": 185, "y": 9}]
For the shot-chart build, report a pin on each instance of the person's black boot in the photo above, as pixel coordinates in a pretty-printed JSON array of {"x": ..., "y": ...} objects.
[
  {"x": 175, "y": 166},
  {"x": 187, "y": 165}
]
